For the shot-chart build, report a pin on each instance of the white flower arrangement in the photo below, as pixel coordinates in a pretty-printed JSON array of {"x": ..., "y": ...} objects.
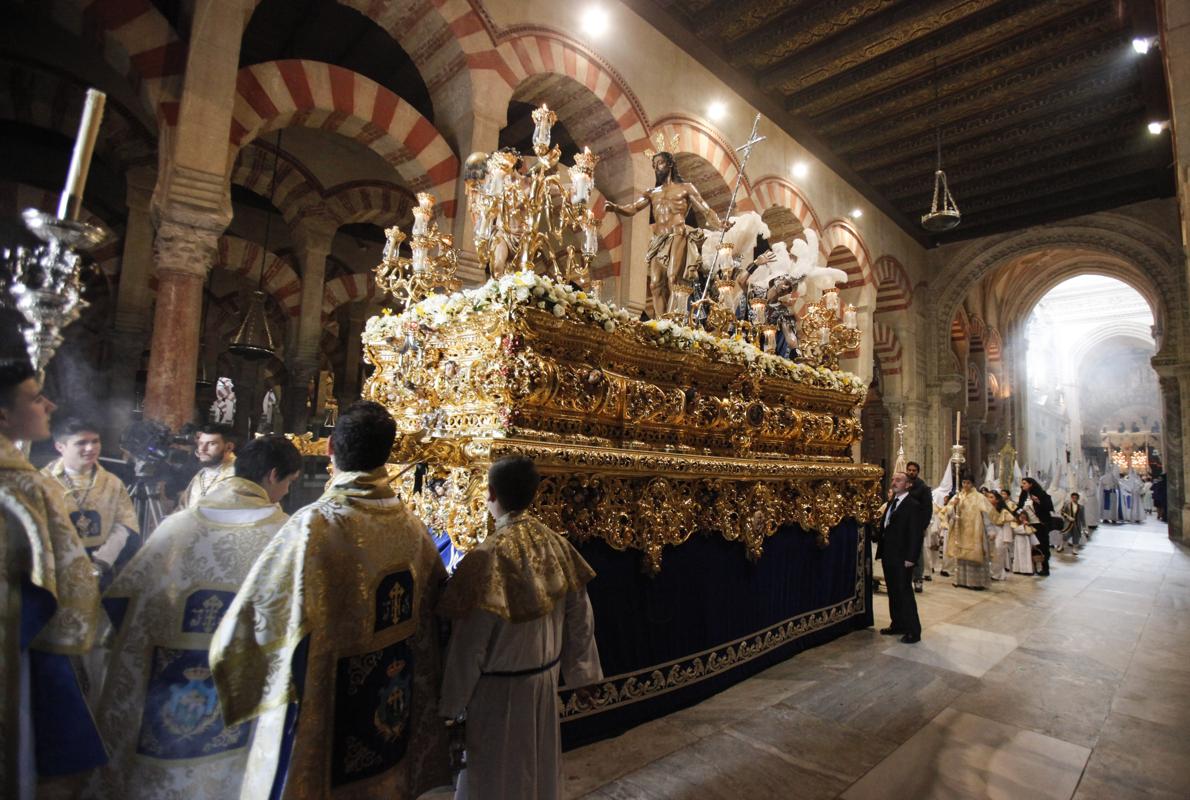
[{"x": 528, "y": 289}]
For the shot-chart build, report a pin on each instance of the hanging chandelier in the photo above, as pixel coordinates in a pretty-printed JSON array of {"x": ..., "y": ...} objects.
[
  {"x": 944, "y": 212},
  {"x": 254, "y": 338}
]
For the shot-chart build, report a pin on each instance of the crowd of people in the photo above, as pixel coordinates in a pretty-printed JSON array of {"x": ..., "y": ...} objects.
[
  {"x": 236, "y": 651},
  {"x": 974, "y": 536}
]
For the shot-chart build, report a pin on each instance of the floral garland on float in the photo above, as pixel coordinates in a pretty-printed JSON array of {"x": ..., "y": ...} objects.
[{"x": 526, "y": 289}]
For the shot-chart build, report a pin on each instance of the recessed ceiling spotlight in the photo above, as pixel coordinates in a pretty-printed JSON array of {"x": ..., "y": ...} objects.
[
  {"x": 1156, "y": 127},
  {"x": 595, "y": 21},
  {"x": 800, "y": 169},
  {"x": 716, "y": 110},
  {"x": 856, "y": 213}
]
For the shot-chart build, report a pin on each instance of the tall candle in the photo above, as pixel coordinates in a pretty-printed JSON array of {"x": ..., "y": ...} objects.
[
  {"x": 71, "y": 201},
  {"x": 958, "y": 416}
]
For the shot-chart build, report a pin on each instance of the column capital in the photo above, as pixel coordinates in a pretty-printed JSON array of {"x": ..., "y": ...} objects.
[
  {"x": 185, "y": 248},
  {"x": 314, "y": 236}
]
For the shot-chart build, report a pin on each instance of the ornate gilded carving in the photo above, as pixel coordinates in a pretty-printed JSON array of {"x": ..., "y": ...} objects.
[{"x": 641, "y": 441}]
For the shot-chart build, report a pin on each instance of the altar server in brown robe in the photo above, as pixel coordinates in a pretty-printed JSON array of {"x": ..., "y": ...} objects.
[{"x": 521, "y": 616}]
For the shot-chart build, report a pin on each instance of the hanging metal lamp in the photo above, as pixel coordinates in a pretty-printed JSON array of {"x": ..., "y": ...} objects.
[
  {"x": 944, "y": 212},
  {"x": 254, "y": 338}
]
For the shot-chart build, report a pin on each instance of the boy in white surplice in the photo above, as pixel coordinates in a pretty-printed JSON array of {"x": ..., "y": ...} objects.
[{"x": 521, "y": 614}]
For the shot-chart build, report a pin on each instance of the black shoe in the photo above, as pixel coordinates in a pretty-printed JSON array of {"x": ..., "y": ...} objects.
[
  {"x": 911, "y": 639},
  {"x": 917, "y": 587},
  {"x": 889, "y": 631},
  {"x": 928, "y": 578},
  {"x": 945, "y": 574}
]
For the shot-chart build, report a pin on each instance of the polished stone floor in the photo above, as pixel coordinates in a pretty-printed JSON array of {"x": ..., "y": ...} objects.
[{"x": 1076, "y": 685}]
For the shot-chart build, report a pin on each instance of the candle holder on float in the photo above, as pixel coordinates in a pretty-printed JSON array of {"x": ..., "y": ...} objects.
[
  {"x": 434, "y": 262},
  {"x": 521, "y": 220},
  {"x": 827, "y": 332},
  {"x": 44, "y": 283}
]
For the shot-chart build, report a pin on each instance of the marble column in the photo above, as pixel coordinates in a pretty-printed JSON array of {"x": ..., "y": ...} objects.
[
  {"x": 184, "y": 255},
  {"x": 133, "y": 303},
  {"x": 314, "y": 241}
]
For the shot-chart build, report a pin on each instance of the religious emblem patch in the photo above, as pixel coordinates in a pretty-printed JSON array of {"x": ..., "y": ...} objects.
[
  {"x": 182, "y": 717},
  {"x": 394, "y": 600},
  {"x": 204, "y": 609},
  {"x": 373, "y": 702},
  {"x": 88, "y": 525}
]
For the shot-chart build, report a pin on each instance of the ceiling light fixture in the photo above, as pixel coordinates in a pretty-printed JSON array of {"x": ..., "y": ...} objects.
[
  {"x": 1142, "y": 44},
  {"x": 856, "y": 213},
  {"x": 595, "y": 21},
  {"x": 800, "y": 169},
  {"x": 944, "y": 211},
  {"x": 716, "y": 111},
  {"x": 1156, "y": 127}
]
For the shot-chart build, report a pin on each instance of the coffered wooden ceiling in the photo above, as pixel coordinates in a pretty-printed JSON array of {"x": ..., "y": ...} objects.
[{"x": 1043, "y": 104}]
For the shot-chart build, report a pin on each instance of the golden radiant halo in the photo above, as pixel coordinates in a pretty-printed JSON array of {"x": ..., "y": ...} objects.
[{"x": 661, "y": 145}]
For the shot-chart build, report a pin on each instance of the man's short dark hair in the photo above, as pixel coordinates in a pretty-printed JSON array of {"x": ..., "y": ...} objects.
[
  {"x": 513, "y": 481},
  {"x": 363, "y": 437},
  {"x": 1075, "y": 494},
  {"x": 262, "y": 455},
  {"x": 65, "y": 427},
  {"x": 219, "y": 429},
  {"x": 913, "y": 464},
  {"x": 13, "y": 372}
]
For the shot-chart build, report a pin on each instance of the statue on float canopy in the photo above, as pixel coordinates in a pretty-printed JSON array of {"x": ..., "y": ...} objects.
[{"x": 673, "y": 254}]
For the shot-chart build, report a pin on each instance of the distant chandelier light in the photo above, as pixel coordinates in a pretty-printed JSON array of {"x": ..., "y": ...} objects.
[
  {"x": 1142, "y": 44},
  {"x": 1156, "y": 127},
  {"x": 595, "y": 21},
  {"x": 800, "y": 169},
  {"x": 856, "y": 213},
  {"x": 716, "y": 111},
  {"x": 944, "y": 211}
]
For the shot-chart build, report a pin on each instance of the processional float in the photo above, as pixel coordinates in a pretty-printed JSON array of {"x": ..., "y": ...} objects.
[{"x": 645, "y": 432}]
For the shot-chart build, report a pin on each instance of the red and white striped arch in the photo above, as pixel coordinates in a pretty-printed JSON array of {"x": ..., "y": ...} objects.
[
  {"x": 297, "y": 194},
  {"x": 137, "y": 41},
  {"x": 857, "y": 263},
  {"x": 975, "y": 332},
  {"x": 348, "y": 289},
  {"x": 281, "y": 281},
  {"x": 311, "y": 94},
  {"x": 772, "y": 190},
  {"x": 960, "y": 343},
  {"x": 695, "y": 138},
  {"x": 993, "y": 345},
  {"x": 893, "y": 289},
  {"x": 887, "y": 348},
  {"x": 377, "y": 202},
  {"x": 543, "y": 52}
]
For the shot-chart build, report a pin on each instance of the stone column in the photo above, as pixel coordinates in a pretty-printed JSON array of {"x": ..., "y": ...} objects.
[
  {"x": 184, "y": 255},
  {"x": 133, "y": 302},
  {"x": 1175, "y": 389},
  {"x": 353, "y": 365},
  {"x": 314, "y": 240}
]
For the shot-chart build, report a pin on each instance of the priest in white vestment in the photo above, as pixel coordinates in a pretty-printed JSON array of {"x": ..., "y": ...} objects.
[
  {"x": 1109, "y": 491},
  {"x": 1132, "y": 488},
  {"x": 214, "y": 447},
  {"x": 159, "y": 714},
  {"x": 521, "y": 617},
  {"x": 49, "y": 609},
  {"x": 332, "y": 645}
]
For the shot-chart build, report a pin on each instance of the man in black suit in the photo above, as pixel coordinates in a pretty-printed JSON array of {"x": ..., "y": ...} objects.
[
  {"x": 919, "y": 490},
  {"x": 899, "y": 549}
]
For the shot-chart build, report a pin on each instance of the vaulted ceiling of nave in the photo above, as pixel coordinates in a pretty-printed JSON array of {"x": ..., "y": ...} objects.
[{"x": 1042, "y": 104}]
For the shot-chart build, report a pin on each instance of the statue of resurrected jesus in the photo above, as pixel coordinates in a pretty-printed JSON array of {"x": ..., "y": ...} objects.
[{"x": 673, "y": 251}]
